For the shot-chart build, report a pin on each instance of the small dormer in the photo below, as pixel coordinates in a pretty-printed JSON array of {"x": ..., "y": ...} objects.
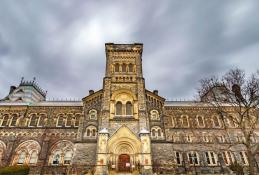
[{"x": 27, "y": 91}]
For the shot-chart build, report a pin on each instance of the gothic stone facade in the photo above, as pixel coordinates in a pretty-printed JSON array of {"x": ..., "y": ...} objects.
[{"x": 123, "y": 127}]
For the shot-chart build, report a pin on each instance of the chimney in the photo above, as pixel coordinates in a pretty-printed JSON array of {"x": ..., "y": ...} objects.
[
  {"x": 91, "y": 92},
  {"x": 155, "y": 92},
  {"x": 12, "y": 88}
]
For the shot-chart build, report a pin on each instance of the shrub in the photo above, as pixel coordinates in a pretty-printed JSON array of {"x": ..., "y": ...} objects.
[
  {"x": 15, "y": 170},
  {"x": 237, "y": 168}
]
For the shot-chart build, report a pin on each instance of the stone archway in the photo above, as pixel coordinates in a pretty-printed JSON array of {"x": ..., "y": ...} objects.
[{"x": 124, "y": 150}]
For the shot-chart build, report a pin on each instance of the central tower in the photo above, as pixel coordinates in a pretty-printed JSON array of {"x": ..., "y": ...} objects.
[{"x": 123, "y": 141}]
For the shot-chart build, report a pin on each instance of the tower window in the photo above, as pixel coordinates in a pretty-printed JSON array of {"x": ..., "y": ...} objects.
[
  {"x": 128, "y": 108},
  {"x": 117, "y": 67},
  {"x": 14, "y": 120},
  {"x": 118, "y": 108},
  {"x": 130, "y": 67},
  {"x": 124, "y": 68}
]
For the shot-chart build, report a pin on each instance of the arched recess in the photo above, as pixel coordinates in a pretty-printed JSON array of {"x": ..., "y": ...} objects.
[
  {"x": 2, "y": 151},
  {"x": 91, "y": 131},
  {"x": 124, "y": 142},
  {"x": 124, "y": 104},
  {"x": 157, "y": 132},
  {"x": 27, "y": 153},
  {"x": 61, "y": 153}
]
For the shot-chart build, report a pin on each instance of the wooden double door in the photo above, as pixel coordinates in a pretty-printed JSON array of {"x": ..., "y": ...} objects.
[{"x": 124, "y": 163}]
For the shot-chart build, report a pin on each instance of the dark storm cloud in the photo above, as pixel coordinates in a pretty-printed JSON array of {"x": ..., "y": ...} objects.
[{"x": 62, "y": 42}]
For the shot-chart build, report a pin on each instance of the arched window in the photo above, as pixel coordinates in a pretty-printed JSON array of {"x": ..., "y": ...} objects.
[
  {"x": 14, "y": 120},
  {"x": 68, "y": 157},
  {"x": 211, "y": 158},
  {"x": 60, "y": 121},
  {"x": 117, "y": 67},
  {"x": 21, "y": 158},
  {"x": 93, "y": 114},
  {"x": 4, "y": 121},
  {"x": 130, "y": 67},
  {"x": 153, "y": 132},
  {"x": 61, "y": 153},
  {"x": 154, "y": 115},
  {"x": 216, "y": 121},
  {"x": 118, "y": 108},
  {"x": 56, "y": 158},
  {"x": 33, "y": 157},
  {"x": 185, "y": 121},
  {"x": 24, "y": 153},
  {"x": 193, "y": 158},
  {"x": 34, "y": 120},
  {"x": 42, "y": 120},
  {"x": 156, "y": 132},
  {"x": 88, "y": 132},
  {"x": 129, "y": 108},
  {"x": 94, "y": 132},
  {"x": 124, "y": 67},
  {"x": 159, "y": 132},
  {"x": 76, "y": 119},
  {"x": 69, "y": 120},
  {"x": 200, "y": 121}
]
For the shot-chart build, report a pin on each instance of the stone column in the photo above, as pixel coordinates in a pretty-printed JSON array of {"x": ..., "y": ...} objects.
[
  {"x": 102, "y": 154},
  {"x": 146, "y": 161}
]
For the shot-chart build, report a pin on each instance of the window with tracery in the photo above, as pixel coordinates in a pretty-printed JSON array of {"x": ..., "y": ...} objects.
[
  {"x": 27, "y": 153},
  {"x": 61, "y": 153},
  {"x": 90, "y": 131},
  {"x": 156, "y": 132}
]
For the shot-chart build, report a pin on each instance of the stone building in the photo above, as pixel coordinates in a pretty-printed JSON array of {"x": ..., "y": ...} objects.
[{"x": 122, "y": 126}]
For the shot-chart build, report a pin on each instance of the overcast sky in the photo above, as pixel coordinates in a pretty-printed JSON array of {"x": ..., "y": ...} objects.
[{"x": 61, "y": 43}]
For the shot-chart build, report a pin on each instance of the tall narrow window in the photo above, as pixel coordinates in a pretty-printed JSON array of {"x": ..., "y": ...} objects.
[
  {"x": 243, "y": 157},
  {"x": 76, "y": 119},
  {"x": 228, "y": 157},
  {"x": 60, "y": 120},
  {"x": 123, "y": 68},
  {"x": 88, "y": 132},
  {"x": 158, "y": 132},
  {"x": 211, "y": 158},
  {"x": 56, "y": 158},
  {"x": 5, "y": 120},
  {"x": 200, "y": 121},
  {"x": 178, "y": 158},
  {"x": 69, "y": 120},
  {"x": 34, "y": 157},
  {"x": 216, "y": 121},
  {"x": 42, "y": 119},
  {"x": 193, "y": 158},
  {"x": 68, "y": 157},
  {"x": 118, "y": 108},
  {"x": 34, "y": 120},
  {"x": 185, "y": 122},
  {"x": 93, "y": 132},
  {"x": 130, "y": 67},
  {"x": 14, "y": 120},
  {"x": 153, "y": 132},
  {"x": 117, "y": 67},
  {"x": 21, "y": 158},
  {"x": 128, "y": 108}
]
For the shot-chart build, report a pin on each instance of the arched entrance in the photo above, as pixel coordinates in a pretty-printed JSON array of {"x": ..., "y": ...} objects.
[{"x": 124, "y": 163}]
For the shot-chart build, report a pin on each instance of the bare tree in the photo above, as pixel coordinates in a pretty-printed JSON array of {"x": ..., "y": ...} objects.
[{"x": 235, "y": 97}]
